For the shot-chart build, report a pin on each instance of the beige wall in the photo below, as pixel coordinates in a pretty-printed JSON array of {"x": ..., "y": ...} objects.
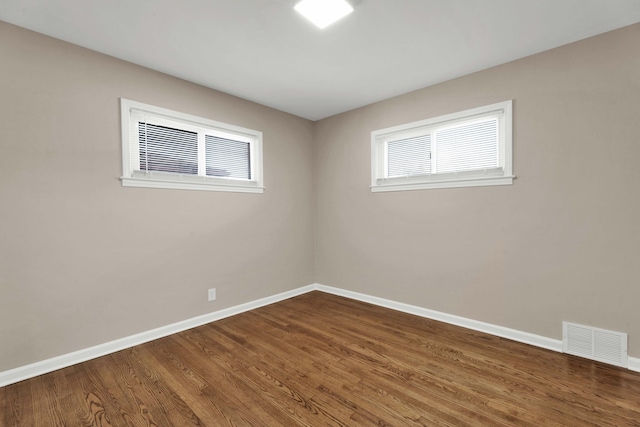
[
  {"x": 84, "y": 260},
  {"x": 561, "y": 243}
]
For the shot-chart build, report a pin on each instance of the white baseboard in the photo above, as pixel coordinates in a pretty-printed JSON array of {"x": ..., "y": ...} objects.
[
  {"x": 49, "y": 365},
  {"x": 500, "y": 331},
  {"x": 633, "y": 364},
  {"x": 55, "y": 363}
]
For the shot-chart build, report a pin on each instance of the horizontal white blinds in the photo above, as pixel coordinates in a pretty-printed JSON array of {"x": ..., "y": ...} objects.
[
  {"x": 165, "y": 146},
  {"x": 410, "y": 156},
  {"x": 468, "y": 146},
  {"x": 227, "y": 157},
  {"x": 166, "y": 149}
]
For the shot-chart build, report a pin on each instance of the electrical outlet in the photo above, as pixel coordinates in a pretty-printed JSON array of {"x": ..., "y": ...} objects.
[{"x": 212, "y": 294}]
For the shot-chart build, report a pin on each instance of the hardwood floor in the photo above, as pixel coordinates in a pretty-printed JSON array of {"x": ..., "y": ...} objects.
[{"x": 318, "y": 360}]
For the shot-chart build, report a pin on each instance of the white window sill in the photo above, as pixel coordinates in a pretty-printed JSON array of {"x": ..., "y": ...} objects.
[
  {"x": 148, "y": 182},
  {"x": 405, "y": 185}
]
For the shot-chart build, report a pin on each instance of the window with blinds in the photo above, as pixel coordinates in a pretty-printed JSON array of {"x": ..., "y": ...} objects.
[
  {"x": 168, "y": 149},
  {"x": 465, "y": 149}
]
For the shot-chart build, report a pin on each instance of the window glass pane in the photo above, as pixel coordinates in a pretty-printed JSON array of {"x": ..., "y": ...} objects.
[
  {"x": 411, "y": 156},
  {"x": 227, "y": 158},
  {"x": 468, "y": 146},
  {"x": 167, "y": 149}
]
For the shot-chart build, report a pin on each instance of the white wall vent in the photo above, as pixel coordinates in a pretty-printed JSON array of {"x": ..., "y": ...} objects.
[{"x": 595, "y": 344}]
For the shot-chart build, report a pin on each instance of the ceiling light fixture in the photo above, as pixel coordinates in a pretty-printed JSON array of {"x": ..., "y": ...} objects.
[{"x": 323, "y": 12}]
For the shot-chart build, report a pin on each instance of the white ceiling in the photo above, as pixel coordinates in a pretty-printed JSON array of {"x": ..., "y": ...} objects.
[{"x": 264, "y": 51}]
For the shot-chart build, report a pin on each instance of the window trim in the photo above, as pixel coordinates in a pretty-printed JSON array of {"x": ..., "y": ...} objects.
[
  {"x": 502, "y": 175},
  {"x": 132, "y": 177}
]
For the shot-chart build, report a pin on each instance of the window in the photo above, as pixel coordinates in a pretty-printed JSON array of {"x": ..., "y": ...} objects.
[
  {"x": 167, "y": 149},
  {"x": 466, "y": 149}
]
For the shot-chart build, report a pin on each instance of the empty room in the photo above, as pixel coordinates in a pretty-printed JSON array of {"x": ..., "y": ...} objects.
[{"x": 319, "y": 213}]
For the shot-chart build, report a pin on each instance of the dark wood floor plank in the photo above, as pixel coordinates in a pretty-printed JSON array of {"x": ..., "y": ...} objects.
[
  {"x": 57, "y": 404},
  {"x": 210, "y": 412},
  {"x": 19, "y": 404},
  {"x": 102, "y": 403},
  {"x": 275, "y": 387},
  {"x": 218, "y": 402},
  {"x": 152, "y": 403},
  {"x": 178, "y": 410},
  {"x": 246, "y": 381},
  {"x": 239, "y": 329},
  {"x": 323, "y": 360},
  {"x": 4, "y": 408}
]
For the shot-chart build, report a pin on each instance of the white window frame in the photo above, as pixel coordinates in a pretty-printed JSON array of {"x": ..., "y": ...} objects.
[
  {"x": 501, "y": 175},
  {"x": 132, "y": 176}
]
